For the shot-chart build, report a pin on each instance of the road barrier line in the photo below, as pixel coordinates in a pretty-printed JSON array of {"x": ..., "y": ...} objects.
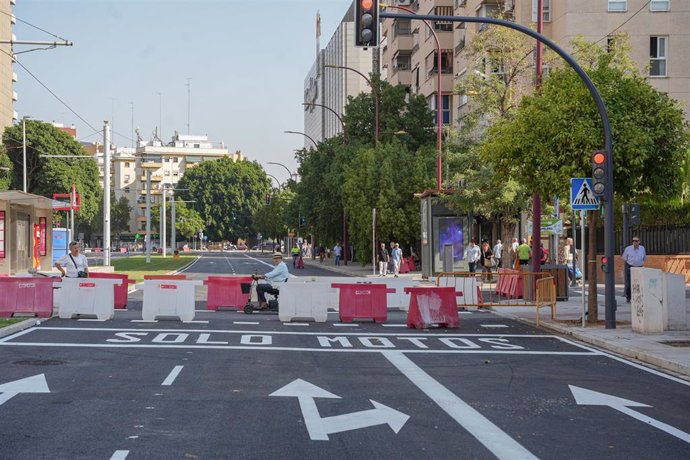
[
  {"x": 491, "y": 436},
  {"x": 172, "y": 376}
]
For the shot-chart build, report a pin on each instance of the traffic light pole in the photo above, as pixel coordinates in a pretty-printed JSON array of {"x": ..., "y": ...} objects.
[{"x": 609, "y": 295}]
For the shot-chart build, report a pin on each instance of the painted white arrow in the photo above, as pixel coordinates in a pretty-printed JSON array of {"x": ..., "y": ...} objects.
[
  {"x": 585, "y": 397},
  {"x": 35, "y": 384},
  {"x": 319, "y": 428}
]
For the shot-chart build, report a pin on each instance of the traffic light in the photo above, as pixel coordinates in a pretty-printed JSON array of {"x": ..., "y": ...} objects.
[
  {"x": 604, "y": 264},
  {"x": 599, "y": 173},
  {"x": 268, "y": 198},
  {"x": 634, "y": 214},
  {"x": 366, "y": 23},
  {"x": 302, "y": 221}
]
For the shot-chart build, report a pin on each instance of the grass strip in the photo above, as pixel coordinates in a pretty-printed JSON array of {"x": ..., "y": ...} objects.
[{"x": 136, "y": 266}]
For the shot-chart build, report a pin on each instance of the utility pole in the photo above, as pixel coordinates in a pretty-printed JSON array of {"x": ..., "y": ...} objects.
[
  {"x": 163, "y": 223},
  {"x": 24, "y": 152},
  {"x": 173, "y": 219},
  {"x": 106, "y": 194},
  {"x": 148, "y": 215}
]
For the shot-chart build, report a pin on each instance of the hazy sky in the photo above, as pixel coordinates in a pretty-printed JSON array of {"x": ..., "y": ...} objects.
[{"x": 247, "y": 60}]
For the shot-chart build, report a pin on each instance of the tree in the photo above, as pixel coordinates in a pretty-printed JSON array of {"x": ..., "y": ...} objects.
[
  {"x": 6, "y": 172},
  {"x": 119, "y": 215},
  {"x": 46, "y": 176},
  {"x": 270, "y": 219},
  {"x": 226, "y": 194}
]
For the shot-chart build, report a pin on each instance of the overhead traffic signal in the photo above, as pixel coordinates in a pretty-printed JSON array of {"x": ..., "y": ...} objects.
[
  {"x": 366, "y": 23},
  {"x": 634, "y": 214},
  {"x": 268, "y": 198},
  {"x": 599, "y": 173}
]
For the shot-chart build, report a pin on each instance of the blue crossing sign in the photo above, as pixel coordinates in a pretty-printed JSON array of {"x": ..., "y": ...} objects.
[{"x": 582, "y": 198}]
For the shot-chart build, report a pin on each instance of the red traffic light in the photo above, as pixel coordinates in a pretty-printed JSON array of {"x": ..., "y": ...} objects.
[
  {"x": 366, "y": 4},
  {"x": 598, "y": 158},
  {"x": 604, "y": 260}
]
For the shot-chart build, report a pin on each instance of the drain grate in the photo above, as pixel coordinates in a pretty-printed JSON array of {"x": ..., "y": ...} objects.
[
  {"x": 677, "y": 343},
  {"x": 39, "y": 362}
]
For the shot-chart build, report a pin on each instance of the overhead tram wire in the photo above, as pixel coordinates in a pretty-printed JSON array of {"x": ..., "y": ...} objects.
[{"x": 32, "y": 25}]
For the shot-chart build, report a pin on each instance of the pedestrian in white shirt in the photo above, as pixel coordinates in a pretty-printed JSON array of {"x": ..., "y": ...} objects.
[
  {"x": 472, "y": 255},
  {"x": 498, "y": 253},
  {"x": 73, "y": 265},
  {"x": 633, "y": 256}
]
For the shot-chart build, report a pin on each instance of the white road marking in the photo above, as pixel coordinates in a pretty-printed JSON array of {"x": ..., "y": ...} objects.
[
  {"x": 245, "y": 322},
  {"x": 120, "y": 455},
  {"x": 94, "y": 320},
  {"x": 196, "y": 322},
  {"x": 35, "y": 384},
  {"x": 172, "y": 376},
  {"x": 394, "y": 325},
  {"x": 295, "y": 324},
  {"x": 491, "y": 436},
  {"x": 493, "y": 325},
  {"x": 142, "y": 321},
  {"x": 346, "y": 324}
]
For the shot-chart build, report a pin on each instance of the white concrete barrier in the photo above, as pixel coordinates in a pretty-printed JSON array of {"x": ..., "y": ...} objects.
[
  {"x": 646, "y": 300},
  {"x": 169, "y": 298},
  {"x": 87, "y": 296},
  {"x": 674, "y": 309},
  {"x": 304, "y": 300},
  {"x": 469, "y": 286}
]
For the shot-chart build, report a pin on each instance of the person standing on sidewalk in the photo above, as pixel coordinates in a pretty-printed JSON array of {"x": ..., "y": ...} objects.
[
  {"x": 396, "y": 257},
  {"x": 337, "y": 252},
  {"x": 524, "y": 252},
  {"x": 633, "y": 256},
  {"x": 498, "y": 253},
  {"x": 382, "y": 258},
  {"x": 472, "y": 254}
]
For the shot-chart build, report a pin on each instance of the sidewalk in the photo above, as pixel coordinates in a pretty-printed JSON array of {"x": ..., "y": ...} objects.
[{"x": 649, "y": 349}]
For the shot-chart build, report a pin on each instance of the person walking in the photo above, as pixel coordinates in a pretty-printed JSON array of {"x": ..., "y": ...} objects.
[
  {"x": 524, "y": 252},
  {"x": 382, "y": 257},
  {"x": 396, "y": 257},
  {"x": 633, "y": 256},
  {"x": 498, "y": 253},
  {"x": 514, "y": 253},
  {"x": 472, "y": 255},
  {"x": 485, "y": 259},
  {"x": 295, "y": 251},
  {"x": 337, "y": 252}
]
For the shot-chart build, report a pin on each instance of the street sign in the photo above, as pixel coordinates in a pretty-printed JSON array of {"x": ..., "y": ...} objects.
[
  {"x": 582, "y": 198},
  {"x": 549, "y": 226}
]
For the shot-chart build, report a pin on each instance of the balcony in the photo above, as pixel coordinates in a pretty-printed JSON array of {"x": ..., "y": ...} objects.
[{"x": 154, "y": 178}]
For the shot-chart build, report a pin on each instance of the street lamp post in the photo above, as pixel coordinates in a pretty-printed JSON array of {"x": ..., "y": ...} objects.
[
  {"x": 281, "y": 164},
  {"x": 24, "y": 152},
  {"x": 439, "y": 95},
  {"x": 374, "y": 91},
  {"x": 305, "y": 135},
  {"x": 342, "y": 122},
  {"x": 280, "y": 185}
]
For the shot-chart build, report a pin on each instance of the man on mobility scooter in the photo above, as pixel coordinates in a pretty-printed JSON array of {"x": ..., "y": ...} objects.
[{"x": 279, "y": 274}]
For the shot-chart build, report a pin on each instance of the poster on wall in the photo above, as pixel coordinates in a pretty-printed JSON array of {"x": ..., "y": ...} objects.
[
  {"x": 42, "y": 245},
  {"x": 2, "y": 234},
  {"x": 450, "y": 232}
]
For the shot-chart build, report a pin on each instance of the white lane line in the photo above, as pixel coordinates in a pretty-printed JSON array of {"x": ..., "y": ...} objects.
[
  {"x": 346, "y": 324},
  {"x": 144, "y": 321},
  {"x": 95, "y": 320},
  {"x": 491, "y": 436},
  {"x": 120, "y": 455},
  {"x": 394, "y": 325},
  {"x": 172, "y": 376},
  {"x": 120, "y": 309},
  {"x": 464, "y": 313},
  {"x": 295, "y": 324},
  {"x": 245, "y": 322},
  {"x": 196, "y": 322},
  {"x": 493, "y": 325}
]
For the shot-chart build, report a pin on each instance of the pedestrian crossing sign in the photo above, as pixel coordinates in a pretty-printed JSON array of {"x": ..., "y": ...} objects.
[{"x": 582, "y": 198}]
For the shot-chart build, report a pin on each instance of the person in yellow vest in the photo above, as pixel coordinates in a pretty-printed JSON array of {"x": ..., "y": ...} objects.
[{"x": 295, "y": 255}]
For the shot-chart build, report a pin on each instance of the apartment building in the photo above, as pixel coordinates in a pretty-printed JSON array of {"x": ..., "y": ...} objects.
[
  {"x": 7, "y": 75},
  {"x": 331, "y": 87},
  {"x": 658, "y": 31}
]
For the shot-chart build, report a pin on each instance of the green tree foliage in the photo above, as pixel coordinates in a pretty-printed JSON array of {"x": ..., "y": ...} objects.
[
  {"x": 554, "y": 132},
  {"x": 46, "y": 176},
  {"x": 386, "y": 178},
  {"x": 119, "y": 215},
  {"x": 226, "y": 194},
  {"x": 189, "y": 222},
  {"x": 401, "y": 115},
  {"x": 6, "y": 173},
  {"x": 270, "y": 219}
]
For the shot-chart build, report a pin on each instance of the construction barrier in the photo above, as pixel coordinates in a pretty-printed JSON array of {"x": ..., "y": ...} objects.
[
  {"x": 307, "y": 300},
  {"x": 468, "y": 288},
  {"x": 362, "y": 300},
  {"x": 87, "y": 296},
  {"x": 431, "y": 306},
  {"x": 169, "y": 297},
  {"x": 227, "y": 291},
  {"x": 121, "y": 290},
  {"x": 26, "y": 295},
  {"x": 546, "y": 295}
]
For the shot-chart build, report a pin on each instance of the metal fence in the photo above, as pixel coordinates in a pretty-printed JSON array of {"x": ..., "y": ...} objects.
[{"x": 659, "y": 240}]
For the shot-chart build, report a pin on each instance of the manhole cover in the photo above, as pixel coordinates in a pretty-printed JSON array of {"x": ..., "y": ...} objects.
[
  {"x": 39, "y": 362},
  {"x": 677, "y": 343}
]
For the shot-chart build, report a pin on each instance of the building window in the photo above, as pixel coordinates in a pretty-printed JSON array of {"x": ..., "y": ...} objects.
[
  {"x": 402, "y": 27},
  {"x": 660, "y": 5},
  {"x": 402, "y": 62},
  {"x": 126, "y": 189},
  {"x": 546, "y": 16},
  {"x": 618, "y": 5},
  {"x": 460, "y": 3},
  {"x": 126, "y": 164},
  {"x": 445, "y": 100},
  {"x": 176, "y": 174},
  {"x": 446, "y": 62},
  {"x": 127, "y": 178},
  {"x": 167, "y": 173},
  {"x": 443, "y": 26},
  {"x": 657, "y": 56},
  {"x": 175, "y": 160}
]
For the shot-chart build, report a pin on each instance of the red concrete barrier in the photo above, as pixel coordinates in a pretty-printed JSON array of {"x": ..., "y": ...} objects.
[
  {"x": 362, "y": 300},
  {"x": 165, "y": 277},
  {"x": 227, "y": 291},
  {"x": 432, "y": 306},
  {"x": 27, "y": 295},
  {"x": 121, "y": 290}
]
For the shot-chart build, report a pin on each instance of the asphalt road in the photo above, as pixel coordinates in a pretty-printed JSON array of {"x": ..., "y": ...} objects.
[{"x": 241, "y": 386}]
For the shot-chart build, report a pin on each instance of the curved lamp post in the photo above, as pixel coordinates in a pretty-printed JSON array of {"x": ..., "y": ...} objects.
[
  {"x": 374, "y": 91},
  {"x": 281, "y": 164},
  {"x": 439, "y": 95},
  {"x": 305, "y": 135},
  {"x": 345, "y": 139},
  {"x": 275, "y": 179}
]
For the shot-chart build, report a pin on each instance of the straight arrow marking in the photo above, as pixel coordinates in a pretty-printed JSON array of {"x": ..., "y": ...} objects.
[
  {"x": 320, "y": 427},
  {"x": 585, "y": 397},
  {"x": 491, "y": 436}
]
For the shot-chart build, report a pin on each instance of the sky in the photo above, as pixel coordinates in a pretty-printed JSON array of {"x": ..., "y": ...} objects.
[{"x": 245, "y": 62}]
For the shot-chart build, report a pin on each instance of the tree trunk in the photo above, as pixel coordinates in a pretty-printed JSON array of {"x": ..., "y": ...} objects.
[{"x": 592, "y": 301}]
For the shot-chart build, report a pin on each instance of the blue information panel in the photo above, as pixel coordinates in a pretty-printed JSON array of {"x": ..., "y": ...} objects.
[{"x": 582, "y": 198}]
